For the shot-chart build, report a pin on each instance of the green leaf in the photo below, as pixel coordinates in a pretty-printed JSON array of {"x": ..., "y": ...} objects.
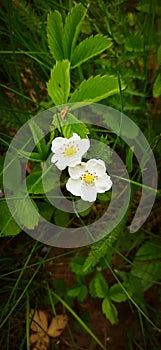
[
  {"x": 33, "y": 157},
  {"x": 76, "y": 265},
  {"x": 2, "y": 158},
  {"x": 135, "y": 92},
  {"x": 148, "y": 7},
  {"x": 157, "y": 86},
  {"x": 129, "y": 131},
  {"x": 129, "y": 159},
  {"x": 73, "y": 292},
  {"x": 11, "y": 175},
  {"x": 92, "y": 289},
  {"x": 56, "y": 122},
  {"x": 89, "y": 48},
  {"x": 25, "y": 213},
  {"x": 96, "y": 89},
  {"x": 59, "y": 286},
  {"x": 61, "y": 218},
  {"x": 97, "y": 251},
  {"x": 148, "y": 273},
  {"x": 46, "y": 210},
  {"x": 72, "y": 28},
  {"x": 35, "y": 184},
  {"x": 83, "y": 293},
  {"x": 104, "y": 247},
  {"x": 101, "y": 286},
  {"x": 8, "y": 226},
  {"x": 149, "y": 251},
  {"x": 110, "y": 311},
  {"x": 117, "y": 294},
  {"x": 78, "y": 292},
  {"x": 146, "y": 265},
  {"x": 59, "y": 83},
  {"x": 134, "y": 287},
  {"x": 159, "y": 55},
  {"x": 55, "y": 35},
  {"x": 39, "y": 138},
  {"x": 104, "y": 152},
  {"x": 104, "y": 197},
  {"x": 73, "y": 125},
  {"x": 85, "y": 212},
  {"x": 135, "y": 42}
]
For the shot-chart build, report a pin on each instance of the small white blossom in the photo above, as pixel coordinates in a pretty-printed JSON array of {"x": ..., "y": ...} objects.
[
  {"x": 68, "y": 152},
  {"x": 88, "y": 179}
]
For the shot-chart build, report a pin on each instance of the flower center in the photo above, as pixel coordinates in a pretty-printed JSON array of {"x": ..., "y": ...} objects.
[
  {"x": 88, "y": 178},
  {"x": 70, "y": 151}
]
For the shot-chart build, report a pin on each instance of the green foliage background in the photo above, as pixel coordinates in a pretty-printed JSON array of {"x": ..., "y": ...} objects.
[{"x": 55, "y": 52}]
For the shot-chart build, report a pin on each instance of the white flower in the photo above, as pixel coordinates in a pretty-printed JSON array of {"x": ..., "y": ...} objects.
[
  {"x": 68, "y": 152},
  {"x": 88, "y": 179}
]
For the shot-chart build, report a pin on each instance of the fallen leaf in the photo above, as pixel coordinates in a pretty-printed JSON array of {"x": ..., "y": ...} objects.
[
  {"x": 39, "y": 321},
  {"x": 57, "y": 325},
  {"x": 39, "y": 324},
  {"x": 40, "y": 342}
]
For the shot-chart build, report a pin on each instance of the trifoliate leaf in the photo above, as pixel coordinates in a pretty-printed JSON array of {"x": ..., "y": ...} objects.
[{"x": 79, "y": 292}]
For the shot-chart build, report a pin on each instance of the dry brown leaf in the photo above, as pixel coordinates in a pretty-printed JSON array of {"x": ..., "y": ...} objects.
[
  {"x": 57, "y": 325},
  {"x": 39, "y": 321},
  {"x": 39, "y": 341},
  {"x": 63, "y": 112}
]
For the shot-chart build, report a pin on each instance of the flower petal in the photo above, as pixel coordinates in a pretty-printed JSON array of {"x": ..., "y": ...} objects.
[
  {"x": 74, "y": 137},
  {"x": 57, "y": 143},
  {"x": 54, "y": 158},
  {"x": 84, "y": 145},
  {"x": 103, "y": 184},
  {"x": 74, "y": 186},
  {"x": 63, "y": 149},
  {"x": 97, "y": 166},
  {"x": 74, "y": 161},
  {"x": 88, "y": 192},
  {"x": 76, "y": 171},
  {"x": 61, "y": 163}
]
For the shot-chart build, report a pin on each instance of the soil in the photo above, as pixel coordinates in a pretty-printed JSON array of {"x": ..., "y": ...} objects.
[{"x": 113, "y": 337}]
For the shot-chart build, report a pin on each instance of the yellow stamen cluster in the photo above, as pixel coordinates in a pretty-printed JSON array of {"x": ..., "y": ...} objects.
[
  {"x": 70, "y": 151},
  {"x": 88, "y": 178}
]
